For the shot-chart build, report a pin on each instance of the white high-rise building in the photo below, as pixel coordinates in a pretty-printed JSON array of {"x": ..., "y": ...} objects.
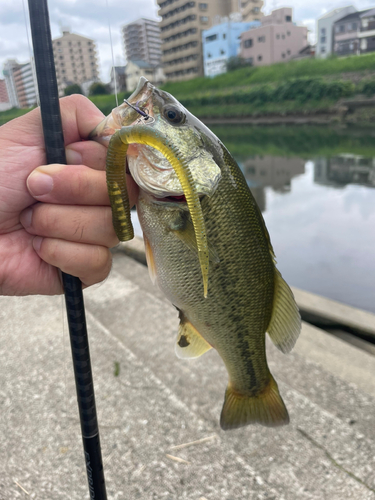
[
  {"x": 21, "y": 83},
  {"x": 142, "y": 41}
]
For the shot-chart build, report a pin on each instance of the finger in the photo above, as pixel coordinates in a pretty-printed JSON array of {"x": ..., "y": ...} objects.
[
  {"x": 73, "y": 185},
  {"x": 89, "y": 225},
  {"x": 90, "y": 263},
  {"x": 88, "y": 153},
  {"x": 79, "y": 117}
]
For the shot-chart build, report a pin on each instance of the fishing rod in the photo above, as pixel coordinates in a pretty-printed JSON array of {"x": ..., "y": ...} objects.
[{"x": 55, "y": 152}]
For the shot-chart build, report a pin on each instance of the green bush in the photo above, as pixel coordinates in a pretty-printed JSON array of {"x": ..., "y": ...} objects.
[
  {"x": 367, "y": 87},
  {"x": 73, "y": 89}
]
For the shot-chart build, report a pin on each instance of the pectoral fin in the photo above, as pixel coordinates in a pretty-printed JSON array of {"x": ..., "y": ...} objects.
[
  {"x": 285, "y": 323},
  {"x": 190, "y": 343},
  {"x": 150, "y": 259}
]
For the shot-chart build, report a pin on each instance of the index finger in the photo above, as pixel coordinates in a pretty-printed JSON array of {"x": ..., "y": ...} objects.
[{"x": 79, "y": 117}]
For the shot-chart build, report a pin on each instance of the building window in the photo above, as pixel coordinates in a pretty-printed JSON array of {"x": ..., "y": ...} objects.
[
  {"x": 288, "y": 33},
  {"x": 260, "y": 58},
  {"x": 256, "y": 10},
  {"x": 288, "y": 52},
  {"x": 222, "y": 52},
  {"x": 203, "y": 6},
  {"x": 209, "y": 55},
  {"x": 211, "y": 38},
  {"x": 322, "y": 39},
  {"x": 288, "y": 19},
  {"x": 323, "y": 50},
  {"x": 283, "y": 55},
  {"x": 323, "y": 31},
  {"x": 224, "y": 36},
  {"x": 204, "y": 19},
  {"x": 261, "y": 38},
  {"x": 283, "y": 37},
  {"x": 248, "y": 43},
  {"x": 278, "y": 36},
  {"x": 354, "y": 26}
]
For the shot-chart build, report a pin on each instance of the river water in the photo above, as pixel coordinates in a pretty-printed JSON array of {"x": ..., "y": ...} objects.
[{"x": 316, "y": 189}]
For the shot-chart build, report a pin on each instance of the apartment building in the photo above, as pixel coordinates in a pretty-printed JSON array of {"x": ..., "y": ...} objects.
[
  {"x": 181, "y": 28},
  {"x": 4, "y": 99},
  {"x": 278, "y": 39},
  {"x": 76, "y": 60},
  {"x": 142, "y": 41},
  {"x": 355, "y": 33},
  {"x": 324, "y": 30},
  {"x": 222, "y": 42},
  {"x": 20, "y": 83}
]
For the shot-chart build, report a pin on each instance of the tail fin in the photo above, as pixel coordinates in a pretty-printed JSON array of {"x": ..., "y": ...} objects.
[{"x": 267, "y": 408}]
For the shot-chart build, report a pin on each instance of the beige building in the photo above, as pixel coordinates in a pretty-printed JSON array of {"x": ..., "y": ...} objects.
[
  {"x": 75, "y": 60},
  {"x": 181, "y": 33},
  {"x": 278, "y": 39},
  {"x": 251, "y": 10},
  {"x": 135, "y": 69}
]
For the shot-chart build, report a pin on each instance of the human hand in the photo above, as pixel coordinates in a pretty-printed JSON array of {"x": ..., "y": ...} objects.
[{"x": 54, "y": 216}]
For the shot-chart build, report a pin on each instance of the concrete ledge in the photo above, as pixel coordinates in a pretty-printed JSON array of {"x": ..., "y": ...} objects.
[{"x": 328, "y": 312}]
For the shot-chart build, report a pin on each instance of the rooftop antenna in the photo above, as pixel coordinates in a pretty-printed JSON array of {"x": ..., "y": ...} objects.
[{"x": 55, "y": 153}]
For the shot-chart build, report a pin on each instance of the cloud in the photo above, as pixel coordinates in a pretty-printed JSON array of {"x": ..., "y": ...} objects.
[
  {"x": 90, "y": 18},
  {"x": 84, "y": 17}
]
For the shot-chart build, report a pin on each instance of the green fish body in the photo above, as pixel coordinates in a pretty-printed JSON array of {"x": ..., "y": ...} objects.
[{"x": 247, "y": 296}]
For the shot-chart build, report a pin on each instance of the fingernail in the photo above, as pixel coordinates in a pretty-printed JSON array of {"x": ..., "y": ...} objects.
[
  {"x": 72, "y": 157},
  {"x": 39, "y": 184},
  {"x": 26, "y": 217},
  {"x": 37, "y": 243}
]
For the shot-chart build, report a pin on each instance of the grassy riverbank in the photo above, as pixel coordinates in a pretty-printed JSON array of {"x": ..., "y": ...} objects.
[{"x": 304, "y": 87}]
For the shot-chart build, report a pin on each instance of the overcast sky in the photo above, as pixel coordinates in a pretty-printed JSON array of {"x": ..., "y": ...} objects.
[{"x": 90, "y": 18}]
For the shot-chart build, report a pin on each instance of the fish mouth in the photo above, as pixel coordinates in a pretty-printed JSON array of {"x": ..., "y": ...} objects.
[{"x": 124, "y": 115}]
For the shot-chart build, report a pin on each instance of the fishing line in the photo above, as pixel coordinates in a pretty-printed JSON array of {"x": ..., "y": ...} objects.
[{"x": 113, "y": 59}]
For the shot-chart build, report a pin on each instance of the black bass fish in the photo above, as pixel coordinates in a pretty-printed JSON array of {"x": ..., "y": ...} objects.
[{"x": 207, "y": 246}]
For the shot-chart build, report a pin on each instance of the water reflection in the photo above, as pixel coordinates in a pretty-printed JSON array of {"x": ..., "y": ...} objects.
[
  {"x": 340, "y": 170},
  {"x": 270, "y": 171}
]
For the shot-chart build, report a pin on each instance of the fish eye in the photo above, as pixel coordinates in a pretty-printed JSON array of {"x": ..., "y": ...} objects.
[{"x": 173, "y": 115}]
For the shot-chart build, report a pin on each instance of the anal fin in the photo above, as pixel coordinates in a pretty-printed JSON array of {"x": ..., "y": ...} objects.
[
  {"x": 285, "y": 324},
  {"x": 190, "y": 343},
  {"x": 266, "y": 408}
]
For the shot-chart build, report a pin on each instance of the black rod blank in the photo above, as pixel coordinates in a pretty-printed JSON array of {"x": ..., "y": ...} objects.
[{"x": 55, "y": 152}]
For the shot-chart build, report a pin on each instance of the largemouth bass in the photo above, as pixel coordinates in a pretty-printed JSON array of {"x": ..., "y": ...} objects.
[{"x": 219, "y": 272}]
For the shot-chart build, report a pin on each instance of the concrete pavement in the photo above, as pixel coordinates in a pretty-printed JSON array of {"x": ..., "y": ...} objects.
[{"x": 150, "y": 403}]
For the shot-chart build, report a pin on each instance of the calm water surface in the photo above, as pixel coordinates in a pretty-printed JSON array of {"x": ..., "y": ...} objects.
[{"x": 316, "y": 189}]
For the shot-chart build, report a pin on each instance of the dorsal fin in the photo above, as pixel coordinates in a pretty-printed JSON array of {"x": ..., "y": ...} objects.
[
  {"x": 285, "y": 324},
  {"x": 190, "y": 343}
]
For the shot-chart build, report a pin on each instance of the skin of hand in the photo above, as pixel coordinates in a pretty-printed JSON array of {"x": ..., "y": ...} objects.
[{"x": 54, "y": 216}]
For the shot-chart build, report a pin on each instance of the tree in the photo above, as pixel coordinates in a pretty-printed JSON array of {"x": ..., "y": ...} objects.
[
  {"x": 99, "y": 88},
  {"x": 73, "y": 89},
  {"x": 236, "y": 62}
]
